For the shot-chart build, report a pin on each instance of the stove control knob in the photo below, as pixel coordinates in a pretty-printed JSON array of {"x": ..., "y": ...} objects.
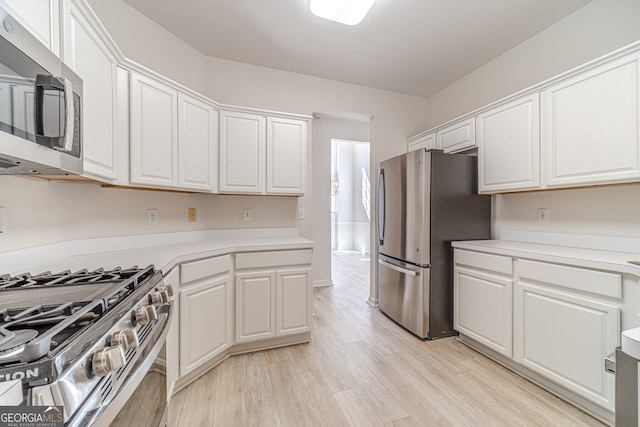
[
  {"x": 144, "y": 315},
  {"x": 158, "y": 298},
  {"x": 166, "y": 288},
  {"x": 107, "y": 360},
  {"x": 127, "y": 339}
]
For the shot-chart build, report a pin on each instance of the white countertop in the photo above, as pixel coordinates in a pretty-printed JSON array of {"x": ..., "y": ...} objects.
[
  {"x": 163, "y": 251},
  {"x": 582, "y": 257}
]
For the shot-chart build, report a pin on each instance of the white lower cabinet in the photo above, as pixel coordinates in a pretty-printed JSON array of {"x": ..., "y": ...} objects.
[
  {"x": 255, "y": 305},
  {"x": 273, "y": 294},
  {"x": 482, "y": 291},
  {"x": 565, "y": 324},
  {"x": 555, "y": 320},
  {"x": 206, "y": 307}
]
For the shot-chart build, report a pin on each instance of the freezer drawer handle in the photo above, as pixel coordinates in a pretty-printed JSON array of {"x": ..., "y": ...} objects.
[{"x": 398, "y": 269}]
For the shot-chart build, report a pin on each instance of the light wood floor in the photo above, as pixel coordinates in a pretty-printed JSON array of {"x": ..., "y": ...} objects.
[{"x": 361, "y": 369}]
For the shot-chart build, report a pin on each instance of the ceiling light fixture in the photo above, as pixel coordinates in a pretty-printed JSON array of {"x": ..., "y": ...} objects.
[{"x": 348, "y": 12}]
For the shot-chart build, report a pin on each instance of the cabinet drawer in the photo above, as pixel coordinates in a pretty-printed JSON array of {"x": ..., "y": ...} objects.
[
  {"x": 273, "y": 259},
  {"x": 207, "y": 267},
  {"x": 494, "y": 263},
  {"x": 580, "y": 279}
]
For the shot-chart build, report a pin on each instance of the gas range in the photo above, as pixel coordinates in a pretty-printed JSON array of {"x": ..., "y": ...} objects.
[{"x": 76, "y": 339}]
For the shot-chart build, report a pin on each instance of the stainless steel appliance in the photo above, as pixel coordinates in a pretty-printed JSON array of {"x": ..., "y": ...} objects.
[
  {"x": 40, "y": 107},
  {"x": 426, "y": 199},
  {"x": 82, "y": 340}
]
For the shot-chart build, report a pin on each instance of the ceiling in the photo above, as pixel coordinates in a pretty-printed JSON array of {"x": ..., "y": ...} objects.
[{"x": 414, "y": 47}]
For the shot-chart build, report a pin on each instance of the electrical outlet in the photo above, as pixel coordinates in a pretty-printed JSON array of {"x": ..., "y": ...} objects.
[
  {"x": 301, "y": 213},
  {"x": 3, "y": 221},
  {"x": 152, "y": 216},
  {"x": 543, "y": 214},
  {"x": 246, "y": 214},
  {"x": 192, "y": 214}
]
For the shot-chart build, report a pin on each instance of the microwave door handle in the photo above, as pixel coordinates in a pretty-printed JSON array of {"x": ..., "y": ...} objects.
[
  {"x": 43, "y": 82},
  {"x": 381, "y": 206},
  {"x": 69, "y": 115}
]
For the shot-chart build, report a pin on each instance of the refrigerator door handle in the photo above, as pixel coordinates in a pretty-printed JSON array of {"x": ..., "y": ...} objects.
[
  {"x": 397, "y": 268},
  {"x": 381, "y": 206}
]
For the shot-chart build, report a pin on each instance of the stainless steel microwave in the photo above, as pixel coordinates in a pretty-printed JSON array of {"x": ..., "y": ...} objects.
[{"x": 40, "y": 107}]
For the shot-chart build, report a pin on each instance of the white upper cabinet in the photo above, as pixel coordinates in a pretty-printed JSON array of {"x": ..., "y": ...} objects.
[
  {"x": 427, "y": 142},
  {"x": 197, "y": 144},
  {"x": 154, "y": 133},
  {"x": 262, "y": 155},
  {"x": 509, "y": 146},
  {"x": 40, "y": 17},
  {"x": 591, "y": 126},
  {"x": 87, "y": 55},
  {"x": 242, "y": 153},
  {"x": 286, "y": 156},
  {"x": 458, "y": 136}
]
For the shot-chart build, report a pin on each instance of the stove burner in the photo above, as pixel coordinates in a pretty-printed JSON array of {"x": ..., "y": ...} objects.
[{"x": 12, "y": 342}]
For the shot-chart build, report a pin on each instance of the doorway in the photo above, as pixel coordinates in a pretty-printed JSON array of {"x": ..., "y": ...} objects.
[{"x": 350, "y": 209}]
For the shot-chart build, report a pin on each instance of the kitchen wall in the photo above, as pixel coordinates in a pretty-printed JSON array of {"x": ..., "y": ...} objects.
[{"x": 596, "y": 29}]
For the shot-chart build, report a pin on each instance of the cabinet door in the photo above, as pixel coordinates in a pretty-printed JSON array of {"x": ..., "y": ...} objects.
[
  {"x": 458, "y": 136},
  {"x": 294, "y": 301},
  {"x": 242, "y": 153},
  {"x": 40, "y": 17},
  {"x": 565, "y": 337},
  {"x": 197, "y": 144},
  {"x": 205, "y": 315},
  {"x": 154, "y": 133},
  {"x": 509, "y": 146},
  {"x": 482, "y": 308},
  {"x": 427, "y": 142},
  {"x": 592, "y": 126},
  {"x": 88, "y": 57},
  {"x": 255, "y": 305},
  {"x": 286, "y": 156}
]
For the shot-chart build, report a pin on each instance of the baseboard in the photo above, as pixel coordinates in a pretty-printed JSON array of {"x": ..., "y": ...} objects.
[{"x": 320, "y": 283}]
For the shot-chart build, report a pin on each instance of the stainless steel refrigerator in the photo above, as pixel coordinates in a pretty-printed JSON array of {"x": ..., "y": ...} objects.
[{"x": 426, "y": 200}]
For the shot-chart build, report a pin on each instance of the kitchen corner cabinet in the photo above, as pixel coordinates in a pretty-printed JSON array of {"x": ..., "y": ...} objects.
[
  {"x": 206, "y": 311},
  {"x": 273, "y": 294},
  {"x": 482, "y": 291},
  {"x": 40, "y": 17},
  {"x": 154, "y": 133},
  {"x": 426, "y": 142},
  {"x": 88, "y": 56},
  {"x": 458, "y": 136},
  {"x": 173, "y": 137},
  {"x": 509, "y": 146},
  {"x": 262, "y": 154},
  {"x": 591, "y": 126}
]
